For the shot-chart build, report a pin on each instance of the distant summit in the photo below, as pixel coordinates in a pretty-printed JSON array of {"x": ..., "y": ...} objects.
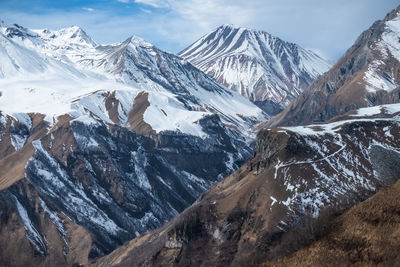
[{"x": 265, "y": 69}]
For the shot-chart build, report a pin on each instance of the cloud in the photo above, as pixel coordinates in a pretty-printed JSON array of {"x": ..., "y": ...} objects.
[
  {"x": 88, "y": 9},
  {"x": 145, "y": 10},
  {"x": 154, "y": 3}
]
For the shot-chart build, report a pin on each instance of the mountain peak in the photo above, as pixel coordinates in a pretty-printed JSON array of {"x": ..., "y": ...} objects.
[
  {"x": 230, "y": 26},
  {"x": 234, "y": 27},
  {"x": 138, "y": 41},
  {"x": 256, "y": 64},
  {"x": 75, "y": 33},
  {"x": 15, "y": 30}
]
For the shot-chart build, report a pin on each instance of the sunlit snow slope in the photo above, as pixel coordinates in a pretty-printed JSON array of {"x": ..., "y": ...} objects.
[{"x": 46, "y": 71}]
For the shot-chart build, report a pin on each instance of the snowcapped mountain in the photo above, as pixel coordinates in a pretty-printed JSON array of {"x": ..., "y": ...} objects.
[
  {"x": 100, "y": 143},
  {"x": 367, "y": 75},
  {"x": 263, "y": 68},
  {"x": 81, "y": 67}
]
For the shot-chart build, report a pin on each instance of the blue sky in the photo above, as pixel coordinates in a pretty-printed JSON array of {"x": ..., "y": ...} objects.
[{"x": 328, "y": 27}]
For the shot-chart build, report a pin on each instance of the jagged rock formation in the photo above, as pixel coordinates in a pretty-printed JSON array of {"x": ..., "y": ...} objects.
[
  {"x": 298, "y": 179},
  {"x": 367, "y": 75},
  {"x": 265, "y": 69}
]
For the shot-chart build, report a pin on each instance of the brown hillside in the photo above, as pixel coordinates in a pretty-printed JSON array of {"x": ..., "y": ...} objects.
[{"x": 366, "y": 235}]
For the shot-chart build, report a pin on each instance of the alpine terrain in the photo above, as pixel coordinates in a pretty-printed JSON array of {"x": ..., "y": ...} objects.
[
  {"x": 308, "y": 197},
  {"x": 101, "y": 143},
  {"x": 114, "y": 155},
  {"x": 281, "y": 200},
  {"x": 263, "y": 68}
]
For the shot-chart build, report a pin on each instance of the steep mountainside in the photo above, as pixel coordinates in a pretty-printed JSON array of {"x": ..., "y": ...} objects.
[
  {"x": 367, "y": 75},
  {"x": 366, "y": 235},
  {"x": 265, "y": 69},
  {"x": 101, "y": 143},
  {"x": 299, "y": 178}
]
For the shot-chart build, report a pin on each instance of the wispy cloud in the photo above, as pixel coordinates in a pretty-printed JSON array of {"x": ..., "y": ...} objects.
[
  {"x": 88, "y": 9},
  {"x": 145, "y": 10},
  {"x": 154, "y": 3}
]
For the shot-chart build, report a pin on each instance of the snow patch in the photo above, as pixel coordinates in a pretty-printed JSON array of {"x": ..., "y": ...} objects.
[
  {"x": 391, "y": 36},
  {"x": 139, "y": 161},
  {"x": 167, "y": 113},
  {"x": 23, "y": 119},
  {"x": 32, "y": 234},
  {"x": 375, "y": 81}
]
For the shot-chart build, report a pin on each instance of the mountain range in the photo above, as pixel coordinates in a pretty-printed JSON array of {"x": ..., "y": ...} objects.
[
  {"x": 291, "y": 204},
  {"x": 116, "y": 139},
  {"x": 126, "y": 155},
  {"x": 299, "y": 180}
]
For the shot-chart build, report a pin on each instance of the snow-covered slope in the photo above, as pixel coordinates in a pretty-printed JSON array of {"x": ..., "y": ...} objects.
[
  {"x": 48, "y": 70},
  {"x": 19, "y": 60},
  {"x": 113, "y": 139},
  {"x": 387, "y": 49},
  {"x": 262, "y": 67}
]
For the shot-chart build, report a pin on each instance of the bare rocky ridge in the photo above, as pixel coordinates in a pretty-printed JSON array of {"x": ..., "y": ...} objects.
[
  {"x": 263, "y": 68},
  {"x": 367, "y": 75},
  {"x": 299, "y": 178}
]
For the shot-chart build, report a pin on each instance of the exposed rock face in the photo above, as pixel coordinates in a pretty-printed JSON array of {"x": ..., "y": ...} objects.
[
  {"x": 109, "y": 181},
  {"x": 298, "y": 179},
  {"x": 367, "y": 75},
  {"x": 46, "y": 238},
  {"x": 265, "y": 69}
]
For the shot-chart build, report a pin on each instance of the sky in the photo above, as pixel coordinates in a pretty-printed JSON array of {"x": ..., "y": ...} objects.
[{"x": 327, "y": 27}]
